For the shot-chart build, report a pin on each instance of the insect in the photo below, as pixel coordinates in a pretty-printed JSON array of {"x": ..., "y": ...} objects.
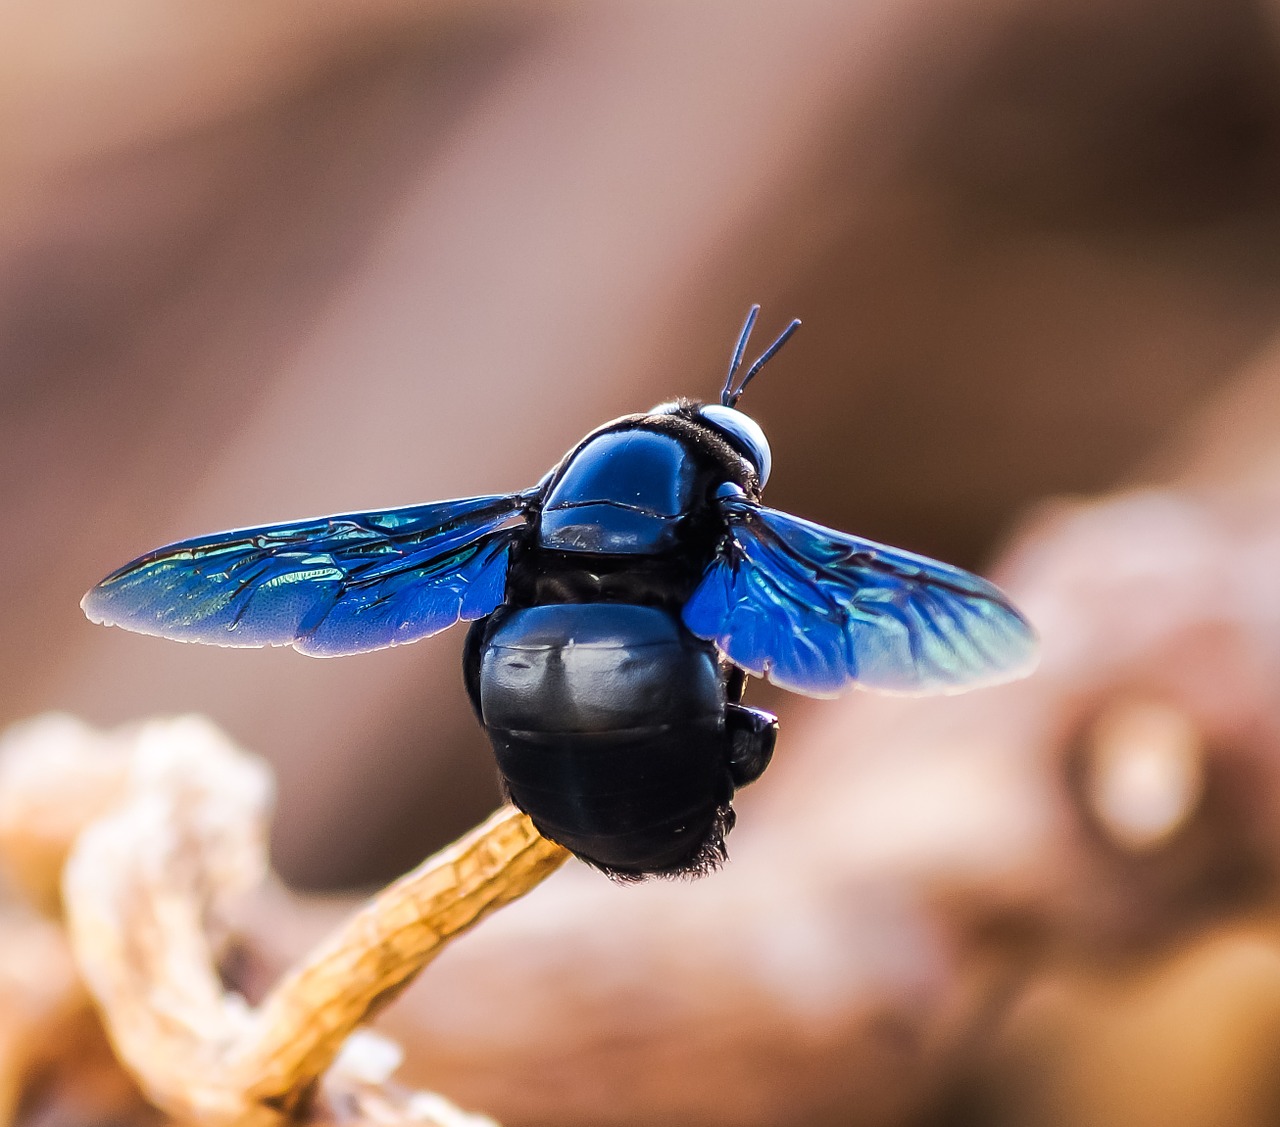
[{"x": 617, "y": 608}]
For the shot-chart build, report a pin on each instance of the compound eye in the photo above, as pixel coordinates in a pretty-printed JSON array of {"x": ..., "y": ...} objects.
[{"x": 745, "y": 434}]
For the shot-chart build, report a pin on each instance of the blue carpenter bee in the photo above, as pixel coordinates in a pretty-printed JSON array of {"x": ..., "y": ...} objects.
[{"x": 617, "y": 608}]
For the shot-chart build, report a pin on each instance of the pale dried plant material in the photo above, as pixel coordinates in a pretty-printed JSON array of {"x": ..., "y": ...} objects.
[
  {"x": 56, "y": 776},
  {"x": 43, "y": 1004},
  {"x": 49, "y": 1032},
  {"x": 176, "y": 828}
]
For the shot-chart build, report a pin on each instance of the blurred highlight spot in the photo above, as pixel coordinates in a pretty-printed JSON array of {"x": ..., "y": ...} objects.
[{"x": 1145, "y": 772}]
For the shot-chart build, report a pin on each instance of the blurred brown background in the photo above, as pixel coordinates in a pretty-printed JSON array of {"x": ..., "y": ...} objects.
[
  {"x": 267, "y": 260},
  {"x": 260, "y": 262}
]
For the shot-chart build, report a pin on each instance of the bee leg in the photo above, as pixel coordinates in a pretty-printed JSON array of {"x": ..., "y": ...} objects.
[
  {"x": 735, "y": 685},
  {"x": 752, "y": 733}
]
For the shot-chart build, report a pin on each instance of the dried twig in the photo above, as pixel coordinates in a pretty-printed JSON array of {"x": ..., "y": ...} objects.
[
  {"x": 369, "y": 961},
  {"x": 145, "y": 886}
]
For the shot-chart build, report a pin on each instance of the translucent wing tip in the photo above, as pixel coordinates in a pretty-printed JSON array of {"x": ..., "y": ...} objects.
[
  {"x": 96, "y": 605},
  {"x": 1007, "y": 650},
  {"x": 89, "y": 604}
]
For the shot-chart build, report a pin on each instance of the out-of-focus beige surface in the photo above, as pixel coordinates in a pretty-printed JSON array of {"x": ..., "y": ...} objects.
[{"x": 267, "y": 261}]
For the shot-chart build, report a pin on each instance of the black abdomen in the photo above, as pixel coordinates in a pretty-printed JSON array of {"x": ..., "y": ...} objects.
[{"x": 607, "y": 720}]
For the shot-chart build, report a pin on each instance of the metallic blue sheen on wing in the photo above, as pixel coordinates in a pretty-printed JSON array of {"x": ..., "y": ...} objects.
[
  {"x": 336, "y": 585},
  {"x": 816, "y": 610}
]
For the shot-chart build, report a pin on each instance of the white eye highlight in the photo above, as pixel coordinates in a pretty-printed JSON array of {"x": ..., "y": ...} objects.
[{"x": 744, "y": 432}]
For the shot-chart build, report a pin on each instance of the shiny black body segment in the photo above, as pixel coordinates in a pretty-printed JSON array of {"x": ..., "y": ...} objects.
[{"x": 617, "y": 609}]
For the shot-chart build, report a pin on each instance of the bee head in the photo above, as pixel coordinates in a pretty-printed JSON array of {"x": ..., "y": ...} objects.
[
  {"x": 740, "y": 431},
  {"x": 743, "y": 433}
]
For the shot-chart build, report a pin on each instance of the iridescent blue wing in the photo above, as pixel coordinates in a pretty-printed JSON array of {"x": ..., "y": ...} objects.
[
  {"x": 336, "y": 585},
  {"x": 816, "y": 610}
]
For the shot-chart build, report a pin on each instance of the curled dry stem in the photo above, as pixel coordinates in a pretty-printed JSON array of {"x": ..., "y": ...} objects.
[
  {"x": 145, "y": 886},
  {"x": 378, "y": 952}
]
